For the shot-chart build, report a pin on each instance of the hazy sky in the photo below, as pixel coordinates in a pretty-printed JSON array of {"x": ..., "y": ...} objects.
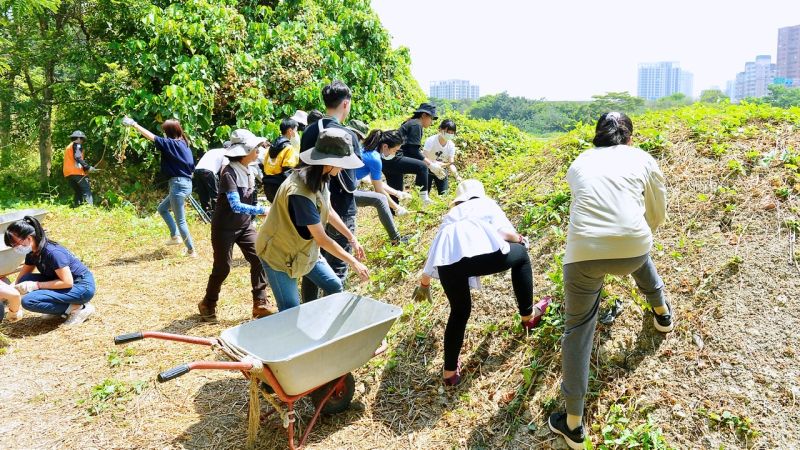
[{"x": 570, "y": 50}]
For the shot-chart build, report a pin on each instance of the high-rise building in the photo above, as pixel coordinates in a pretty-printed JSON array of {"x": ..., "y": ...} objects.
[
  {"x": 789, "y": 55},
  {"x": 662, "y": 79},
  {"x": 755, "y": 79},
  {"x": 454, "y": 90}
]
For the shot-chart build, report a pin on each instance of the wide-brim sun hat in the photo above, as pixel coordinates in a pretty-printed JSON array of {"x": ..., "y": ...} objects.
[
  {"x": 242, "y": 149},
  {"x": 468, "y": 189},
  {"x": 77, "y": 134},
  {"x": 428, "y": 109},
  {"x": 334, "y": 147},
  {"x": 359, "y": 128},
  {"x": 300, "y": 117}
]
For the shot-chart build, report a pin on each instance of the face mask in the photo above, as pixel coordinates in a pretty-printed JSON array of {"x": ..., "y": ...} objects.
[
  {"x": 295, "y": 141},
  {"x": 448, "y": 136},
  {"x": 387, "y": 158},
  {"x": 23, "y": 249}
]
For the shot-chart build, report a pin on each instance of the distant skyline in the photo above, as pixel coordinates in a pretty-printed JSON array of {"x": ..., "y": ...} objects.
[{"x": 573, "y": 50}]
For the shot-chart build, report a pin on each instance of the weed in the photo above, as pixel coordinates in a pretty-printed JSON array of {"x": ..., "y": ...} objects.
[
  {"x": 619, "y": 432},
  {"x": 742, "y": 427},
  {"x": 736, "y": 167},
  {"x": 4, "y": 342},
  {"x": 110, "y": 393},
  {"x": 116, "y": 358}
]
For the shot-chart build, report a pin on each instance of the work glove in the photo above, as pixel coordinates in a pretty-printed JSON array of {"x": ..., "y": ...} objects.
[
  {"x": 92, "y": 169},
  {"x": 422, "y": 293},
  {"x": 400, "y": 211},
  {"x": 437, "y": 170},
  {"x": 128, "y": 122},
  {"x": 403, "y": 196},
  {"x": 26, "y": 287}
]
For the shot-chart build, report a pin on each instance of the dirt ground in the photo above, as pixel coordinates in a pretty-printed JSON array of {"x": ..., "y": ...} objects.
[{"x": 730, "y": 278}]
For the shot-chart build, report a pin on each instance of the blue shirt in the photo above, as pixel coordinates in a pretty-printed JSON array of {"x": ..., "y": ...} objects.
[
  {"x": 53, "y": 257},
  {"x": 176, "y": 158},
  {"x": 372, "y": 166}
]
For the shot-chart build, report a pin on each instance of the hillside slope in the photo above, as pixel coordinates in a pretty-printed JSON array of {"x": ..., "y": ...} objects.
[{"x": 726, "y": 377}]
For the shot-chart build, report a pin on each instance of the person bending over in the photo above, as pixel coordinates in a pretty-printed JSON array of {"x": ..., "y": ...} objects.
[
  {"x": 618, "y": 200},
  {"x": 63, "y": 286},
  {"x": 476, "y": 238}
]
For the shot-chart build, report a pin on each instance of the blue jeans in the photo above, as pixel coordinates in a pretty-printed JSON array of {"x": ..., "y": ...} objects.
[
  {"x": 57, "y": 301},
  {"x": 284, "y": 287},
  {"x": 179, "y": 189}
]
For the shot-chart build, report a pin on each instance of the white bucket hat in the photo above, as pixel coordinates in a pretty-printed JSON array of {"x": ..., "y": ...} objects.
[
  {"x": 238, "y": 136},
  {"x": 300, "y": 117},
  {"x": 468, "y": 189},
  {"x": 246, "y": 146}
]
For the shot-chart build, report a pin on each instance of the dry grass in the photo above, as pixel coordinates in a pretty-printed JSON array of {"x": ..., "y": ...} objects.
[{"x": 733, "y": 348}]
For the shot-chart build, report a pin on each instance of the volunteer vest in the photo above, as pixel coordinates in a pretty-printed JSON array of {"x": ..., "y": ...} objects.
[
  {"x": 278, "y": 242},
  {"x": 70, "y": 166}
]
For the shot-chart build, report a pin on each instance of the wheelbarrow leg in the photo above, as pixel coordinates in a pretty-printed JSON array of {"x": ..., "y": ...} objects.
[
  {"x": 254, "y": 413},
  {"x": 319, "y": 409},
  {"x": 290, "y": 430}
]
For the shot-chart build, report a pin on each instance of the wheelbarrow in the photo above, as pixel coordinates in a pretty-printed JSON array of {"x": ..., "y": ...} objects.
[
  {"x": 9, "y": 259},
  {"x": 309, "y": 350}
]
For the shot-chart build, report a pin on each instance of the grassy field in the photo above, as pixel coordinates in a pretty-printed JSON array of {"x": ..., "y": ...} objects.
[{"x": 727, "y": 377}]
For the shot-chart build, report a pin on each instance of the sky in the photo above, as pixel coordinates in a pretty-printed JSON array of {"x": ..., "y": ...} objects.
[{"x": 571, "y": 50}]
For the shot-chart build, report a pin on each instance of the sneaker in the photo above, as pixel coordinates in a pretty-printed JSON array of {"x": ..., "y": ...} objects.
[
  {"x": 208, "y": 313},
  {"x": 402, "y": 196},
  {"x": 174, "y": 240},
  {"x": 558, "y": 425},
  {"x": 191, "y": 253},
  {"x": 400, "y": 240},
  {"x": 14, "y": 316},
  {"x": 79, "y": 316},
  {"x": 427, "y": 201},
  {"x": 664, "y": 322},
  {"x": 541, "y": 306},
  {"x": 455, "y": 378}
]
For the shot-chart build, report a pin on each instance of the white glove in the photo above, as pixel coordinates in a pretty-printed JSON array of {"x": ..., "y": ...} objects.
[
  {"x": 437, "y": 170},
  {"x": 400, "y": 211},
  {"x": 128, "y": 122},
  {"x": 26, "y": 287},
  {"x": 403, "y": 196}
]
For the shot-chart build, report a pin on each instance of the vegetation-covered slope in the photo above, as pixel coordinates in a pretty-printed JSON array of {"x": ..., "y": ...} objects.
[{"x": 726, "y": 377}]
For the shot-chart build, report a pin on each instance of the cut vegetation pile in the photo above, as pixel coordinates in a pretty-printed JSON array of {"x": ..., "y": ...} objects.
[{"x": 727, "y": 376}]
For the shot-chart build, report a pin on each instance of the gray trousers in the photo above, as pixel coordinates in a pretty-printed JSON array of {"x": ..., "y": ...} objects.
[
  {"x": 583, "y": 282},
  {"x": 381, "y": 204}
]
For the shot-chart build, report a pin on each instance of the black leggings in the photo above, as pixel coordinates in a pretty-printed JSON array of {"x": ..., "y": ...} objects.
[
  {"x": 395, "y": 168},
  {"x": 455, "y": 281}
]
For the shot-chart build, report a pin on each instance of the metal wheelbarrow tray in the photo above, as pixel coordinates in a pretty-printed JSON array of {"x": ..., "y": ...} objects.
[
  {"x": 10, "y": 261},
  {"x": 308, "y": 350}
]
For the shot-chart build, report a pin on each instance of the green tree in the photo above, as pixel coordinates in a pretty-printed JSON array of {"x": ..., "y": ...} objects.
[
  {"x": 713, "y": 96},
  {"x": 782, "y": 96}
]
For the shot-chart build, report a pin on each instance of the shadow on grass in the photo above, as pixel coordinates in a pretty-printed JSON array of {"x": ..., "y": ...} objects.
[
  {"x": 154, "y": 255},
  {"x": 223, "y": 408},
  {"x": 31, "y": 326}
]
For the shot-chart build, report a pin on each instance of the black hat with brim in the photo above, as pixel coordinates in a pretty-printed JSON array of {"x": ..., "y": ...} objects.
[{"x": 427, "y": 108}]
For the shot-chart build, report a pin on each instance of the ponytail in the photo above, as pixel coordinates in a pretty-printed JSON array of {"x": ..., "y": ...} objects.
[
  {"x": 376, "y": 138},
  {"x": 21, "y": 229},
  {"x": 612, "y": 129}
]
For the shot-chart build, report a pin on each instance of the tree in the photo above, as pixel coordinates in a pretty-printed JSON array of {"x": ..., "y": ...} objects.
[
  {"x": 782, "y": 96},
  {"x": 713, "y": 96},
  {"x": 675, "y": 100}
]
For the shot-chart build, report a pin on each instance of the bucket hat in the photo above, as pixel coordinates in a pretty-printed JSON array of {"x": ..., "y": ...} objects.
[
  {"x": 428, "y": 109},
  {"x": 334, "y": 147},
  {"x": 245, "y": 147},
  {"x": 468, "y": 189},
  {"x": 238, "y": 136},
  {"x": 300, "y": 117},
  {"x": 359, "y": 128},
  {"x": 77, "y": 134}
]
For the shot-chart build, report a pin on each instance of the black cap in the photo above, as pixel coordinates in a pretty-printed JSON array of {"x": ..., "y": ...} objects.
[{"x": 428, "y": 109}]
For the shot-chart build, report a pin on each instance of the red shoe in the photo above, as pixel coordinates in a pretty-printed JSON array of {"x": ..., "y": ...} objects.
[{"x": 534, "y": 321}]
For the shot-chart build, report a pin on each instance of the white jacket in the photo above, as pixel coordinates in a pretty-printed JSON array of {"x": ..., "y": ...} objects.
[{"x": 618, "y": 200}]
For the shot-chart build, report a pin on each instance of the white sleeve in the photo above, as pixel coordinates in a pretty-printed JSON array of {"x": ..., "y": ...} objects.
[
  {"x": 451, "y": 156},
  {"x": 499, "y": 219},
  {"x": 429, "y": 143},
  {"x": 655, "y": 197}
]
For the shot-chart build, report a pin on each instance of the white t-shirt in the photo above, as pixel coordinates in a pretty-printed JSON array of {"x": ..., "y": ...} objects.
[
  {"x": 618, "y": 199},
  {"x": 213, "y": 160},
  {"x": 434, "y": 150}
]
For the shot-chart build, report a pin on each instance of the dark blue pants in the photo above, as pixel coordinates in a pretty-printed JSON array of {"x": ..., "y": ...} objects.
[{"x": 57, "y": 301}]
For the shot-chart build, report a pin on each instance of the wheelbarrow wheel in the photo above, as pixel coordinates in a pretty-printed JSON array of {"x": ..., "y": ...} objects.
[{"x": 340, "y": 398}]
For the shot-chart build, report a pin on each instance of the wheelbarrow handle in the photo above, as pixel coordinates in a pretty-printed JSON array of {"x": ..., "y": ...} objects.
[
  {"x": 128, "y": 337},
  {"x": 183, "y": 369},
  {"x": 173, "y": 373}
]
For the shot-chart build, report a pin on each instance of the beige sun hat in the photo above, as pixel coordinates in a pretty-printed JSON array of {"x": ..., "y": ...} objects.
[
  {"x": 334, "y": 147},
  {"x": 246, "y": 146},
  {"x": 468, "y": 189}
]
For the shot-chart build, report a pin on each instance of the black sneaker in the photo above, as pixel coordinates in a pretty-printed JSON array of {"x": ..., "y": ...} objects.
[
  {"x": 401, "y": 240},
  {"x": 558, "y": 425},
  {"x": 664, "y": 322}
]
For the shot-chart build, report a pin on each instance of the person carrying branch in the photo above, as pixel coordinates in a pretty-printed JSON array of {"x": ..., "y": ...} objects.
[
  {"x": 177, "y": 162},
  {"x": 76, "y": 169}
]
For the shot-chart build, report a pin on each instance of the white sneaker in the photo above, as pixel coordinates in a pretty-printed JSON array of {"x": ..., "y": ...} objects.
[
  {"x": 79, "y": 316},
  {"x": 191, "y": 254},
  {"x": 174, "y": 240},
  {"x": 426, "y": 201},
  {"x": 14, "y": 316}
]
